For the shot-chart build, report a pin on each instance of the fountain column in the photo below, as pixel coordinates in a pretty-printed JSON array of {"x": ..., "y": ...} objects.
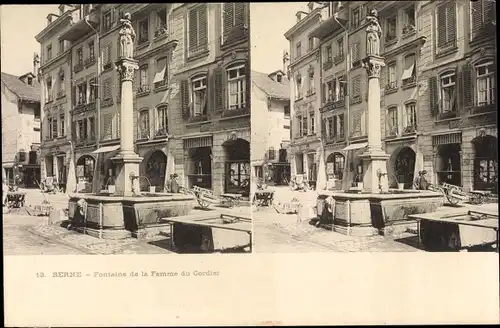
[
  {"x": 127, "y": 161},
  {"x": 374, "y": 158}
]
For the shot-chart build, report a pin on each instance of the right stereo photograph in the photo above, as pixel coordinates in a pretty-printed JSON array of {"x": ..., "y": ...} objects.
[{"x": 374, "y": 126}]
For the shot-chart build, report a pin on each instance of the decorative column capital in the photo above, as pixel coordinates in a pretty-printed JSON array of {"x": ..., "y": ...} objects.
[
  {"x": 126, "y": 68},
  {"x": 373, "y": 65}
]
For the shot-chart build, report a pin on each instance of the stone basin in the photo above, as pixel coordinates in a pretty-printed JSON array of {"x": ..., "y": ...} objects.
[
  {"x": 368, "y": 214},
  {"x": 117, "y": 217}
]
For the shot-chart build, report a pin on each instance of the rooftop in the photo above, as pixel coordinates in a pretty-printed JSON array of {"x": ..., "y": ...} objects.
[
  {"x": 22, "y": 89},
  {"x": 270, "y": 87}
]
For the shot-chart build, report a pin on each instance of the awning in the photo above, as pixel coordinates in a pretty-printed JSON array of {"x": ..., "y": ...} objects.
[
  {"x": 355, "y": 146},
  {"x": 408, "y": 72},
  {"x": 106, "y": 149},
  {"x": 160, "y": 75}
]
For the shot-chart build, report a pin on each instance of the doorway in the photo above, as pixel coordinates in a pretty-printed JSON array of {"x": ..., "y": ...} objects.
[
  {"x": 404, "y": 167},
  {"x": 237, "y": 167},
  {"x": 448, "y": 166},
  {"x": 155, "y": 170},
  {"x": 486, "y": 163},
  {"x": 200, "y": 167}
]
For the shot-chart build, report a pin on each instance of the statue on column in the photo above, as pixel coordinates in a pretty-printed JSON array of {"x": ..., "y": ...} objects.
[
  {"x": 127, "y": 37},
  {"x": 373, "y": 34}
]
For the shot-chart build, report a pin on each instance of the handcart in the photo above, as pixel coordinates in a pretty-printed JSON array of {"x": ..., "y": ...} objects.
[
  {"x": 455, "y": 194},
  {"x": 206, "y": 197}
]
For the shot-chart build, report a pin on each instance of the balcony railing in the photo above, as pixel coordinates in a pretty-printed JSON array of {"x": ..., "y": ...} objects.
[
  {"x": 142, "y": 90},
  {"x": 85, "y": 141},
  {"x": 408, "y": 30},
  {"x": 78, "y": 67},
  {"x": 391, "y": 87},
  {"x": 161, "y": 84},
  {"x": 198, "y": 118},
  {"x": 107, "y": 102},
  {"x": 106, "y": 66},
  {"x": 144, "y": 134},
  {"x": 162, "y": 30},
  {"x": 90, "y": 61},
  {"x": 410, "y": 129},
  {"x": 390, "y": 39},
  {"x": 409, "y": 81},
  {"x": 236, "y": 112},
  {"x": 161, "y": 132},
  {"x": 392, "y": 131},
  {"x": 335, "y": 138}
]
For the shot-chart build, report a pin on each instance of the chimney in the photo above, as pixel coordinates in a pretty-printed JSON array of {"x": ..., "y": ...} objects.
[
  {"x": 36, "y": 64},
  {"x": 286, "y": 59}
]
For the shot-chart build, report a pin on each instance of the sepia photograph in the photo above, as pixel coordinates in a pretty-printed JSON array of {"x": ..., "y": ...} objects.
[
  {"x": 317, "y": 163},
  {"x": 126, "y": 129},
  {"x": 382, "y": 126}
]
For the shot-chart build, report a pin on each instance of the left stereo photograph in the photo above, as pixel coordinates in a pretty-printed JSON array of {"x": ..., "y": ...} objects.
[{"x": 129, "y": 129}]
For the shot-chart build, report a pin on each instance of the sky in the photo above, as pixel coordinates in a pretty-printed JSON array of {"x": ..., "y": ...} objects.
[
  {"x": 267, "y": 31},
  {"x": 18, "y": 26}
]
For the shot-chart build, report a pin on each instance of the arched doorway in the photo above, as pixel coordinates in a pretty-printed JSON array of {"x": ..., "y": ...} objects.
[
  {"x": 155, "y": 170},
  {"x": 237, "y": 167},
  {"x": 485, "y": 163},
  {"x": 335, "y": 164},
  {"x": 85, "y": 168},
  {"x": 404, "y": 166}
]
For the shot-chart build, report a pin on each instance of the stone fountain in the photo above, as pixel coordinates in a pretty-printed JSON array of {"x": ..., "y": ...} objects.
[
  {"x": 375, "y": 209},
  {"x": 126, "y": 212}
]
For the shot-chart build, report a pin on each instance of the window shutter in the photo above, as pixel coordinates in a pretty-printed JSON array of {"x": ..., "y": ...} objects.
[
  {"x": 107, "y": 126},
  {"x": 219, "y": 89},
  {"x": 184, "y": 86},
  {"x": 441, "y": 25},
  {"x": 228, "y": 14},
  {"x": 433, "y": 95},
  {"x": 345, "y": 85},
  {"x": 476, "y": 15},
  {"x": 193, "y": 28},
  {"x": 239, "y": 14},
  {"x": 202, "y": 16},
  {"x": 489, "y": 11},
  {"x": 118, "y": 124},
  {"x": 356, "y": 86},
  {"x": 467, "y": 86},
  {"x": 451, "y": 22},
  {"x": 109, "y": 48},
  {"x": 73, "y": 94},
  {"x": 323, "y": 128}
]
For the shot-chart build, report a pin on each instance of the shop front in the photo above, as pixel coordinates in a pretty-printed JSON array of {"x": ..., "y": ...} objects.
[
  {"x": 237, "y": 166},
  {"x": 199, "y": 158},
  {"x": 447, "y": 150}
]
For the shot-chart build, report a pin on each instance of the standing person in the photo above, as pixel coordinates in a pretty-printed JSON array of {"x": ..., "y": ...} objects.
[
  {"x": 168, "y": 182},
  {"x": 5, "y": 187},
  {"x": 174, "y": 185}
]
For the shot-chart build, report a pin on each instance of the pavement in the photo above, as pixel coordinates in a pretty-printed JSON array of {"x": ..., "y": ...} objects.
[
  {"x": 31, "y": 235},
  {"x": 292, "y": 233}
]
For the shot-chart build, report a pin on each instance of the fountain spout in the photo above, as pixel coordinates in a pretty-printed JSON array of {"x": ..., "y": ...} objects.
[{"x": 132, "y": 177}]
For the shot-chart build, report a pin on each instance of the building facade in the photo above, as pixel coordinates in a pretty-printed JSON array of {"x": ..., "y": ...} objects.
[
  {"x": 271, "y": 127},
  {"x": 305, "y": 76},
  {"x": 437, "y": 90},
  {"x": 21, "y": 126},
  {"x": 195, "y": 126},
  {"x": 212, "y": 85},
  {"x": 55, "y": 80}
]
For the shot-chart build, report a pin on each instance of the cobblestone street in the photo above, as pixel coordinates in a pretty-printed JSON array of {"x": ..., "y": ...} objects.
[
  {"x": 31, "y": 235},
  {"x": 284, "y": 233}
]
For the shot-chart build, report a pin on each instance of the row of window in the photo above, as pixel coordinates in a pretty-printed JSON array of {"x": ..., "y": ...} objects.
[
  {"x": 48, "y": 50},
  {"x": 443, "y": 92}
]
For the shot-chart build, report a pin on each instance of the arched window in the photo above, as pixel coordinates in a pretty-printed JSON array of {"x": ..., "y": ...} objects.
[
  {"x": 392, "y": 121},
  {"x": 485, "y": 81},
  {"x": 199, "y": 95},
  {"x": 447, "y": 92},
  {"x": 335, "y": 166}
]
